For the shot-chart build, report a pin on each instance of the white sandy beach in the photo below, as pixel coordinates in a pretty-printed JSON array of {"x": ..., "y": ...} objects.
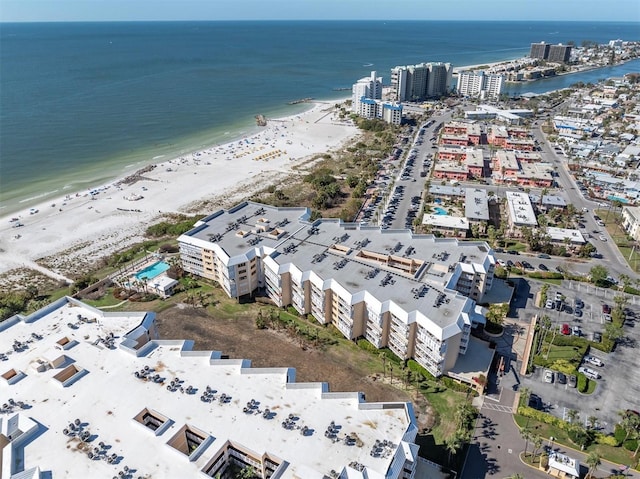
[{"x": 82, "y": 227}]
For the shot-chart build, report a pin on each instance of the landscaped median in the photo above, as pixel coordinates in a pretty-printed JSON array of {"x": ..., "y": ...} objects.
[{"x": 537, "y": 426}]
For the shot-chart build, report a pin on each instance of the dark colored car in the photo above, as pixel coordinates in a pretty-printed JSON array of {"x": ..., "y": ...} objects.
[
  {"x": 561, "y": 378},
  {"x": 543, "y": 267},
  {"x": 559, "y": 269},
  {"x": 606, "y": 309},
  {"x": 535, "y": 402},
  {"x": 597, "y": 337}
]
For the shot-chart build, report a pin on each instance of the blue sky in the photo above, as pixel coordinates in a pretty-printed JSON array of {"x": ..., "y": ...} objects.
[{"x": 125, "y": 10}]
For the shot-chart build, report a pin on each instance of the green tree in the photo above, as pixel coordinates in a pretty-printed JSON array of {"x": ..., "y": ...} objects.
[
  {"x": 593, "y": 461},
  {"x": 613, "y": 332},
  {"x": 572, "y": 415},
  {"x": 537, "y": 444},
  {"x": 526, "y": 434},
  {"x": 453, "y": 444},
  {"x": 599, "y": 275}
]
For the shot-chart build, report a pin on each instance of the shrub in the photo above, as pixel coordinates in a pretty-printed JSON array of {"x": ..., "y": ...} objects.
[
  {"x": 630, "y": 444},
  {"x": 619, "y": 434},
  {"x": 583, "y": 383},
  {"x": 455, "y": 385},
  {"x": 631, "y": 290},
  {"x": 366, "y": 345},
  {"x": 545, "y": 275},
  {"x": 607, "y": 440},
  {"x": 417, "y": 368}
]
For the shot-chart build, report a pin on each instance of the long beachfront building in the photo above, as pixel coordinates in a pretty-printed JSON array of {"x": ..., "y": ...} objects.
[
  {"x": 87, "y": 393},
  {"x": 414, "y": 294},
  {"x": 422, "y": 81}
]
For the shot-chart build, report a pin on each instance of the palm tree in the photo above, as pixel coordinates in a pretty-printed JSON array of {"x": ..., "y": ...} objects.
[
  {"x": 452, "y": 444},
  {"x": 525, "y": 432},
  {"x": 537, "y": 444},
  {"x": 573, "y": 414},
  {"x": 593, "y": 461},
  {"x": 593, "y": 422}
]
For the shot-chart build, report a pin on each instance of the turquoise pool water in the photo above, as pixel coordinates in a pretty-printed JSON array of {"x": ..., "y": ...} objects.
[
  {"x": 440, "y": 211},
  {"x": 617, "y": 198},
  {"x": 152, "y": 271}
]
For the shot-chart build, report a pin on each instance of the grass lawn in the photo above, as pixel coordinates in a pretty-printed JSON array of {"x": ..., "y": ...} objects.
[{"x": 445, "y": 402}]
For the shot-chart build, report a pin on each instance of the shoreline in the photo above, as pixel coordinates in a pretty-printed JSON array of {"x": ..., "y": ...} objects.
[
  {"x": 86, "y": 225},
  {"x": 126, "y": 163}
]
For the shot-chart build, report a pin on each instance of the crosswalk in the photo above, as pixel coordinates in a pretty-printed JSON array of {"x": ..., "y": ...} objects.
[{"x": 498, "y": 407}]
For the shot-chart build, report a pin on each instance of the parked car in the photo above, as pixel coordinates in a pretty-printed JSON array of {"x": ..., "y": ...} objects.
[
  {"x": 535, "y": 402},
  {"x": 576, "y": 331},
  {"x": 597, "y": 337},
  {"x": 579, "y": 303},
  {"x": 572, "y": 381},
  {"x": 543, "y": 267},
  {"x": 606, "y": 309},
  {"x": 559, "y": 296},
  {"x": 602, "y": 238},
  {"x": 577, "y": 312},
  {"x": 593, "y": 360},
  {"x": 559, "y": 269},
  {"x": 590, "y": 373},
  {"x": 548, "y": 376},
  {"x": 544, "y": 256},
  {"x": 561, "y": 378},
  {"x": 549, "y": 304},
  {"x": 607, "y": 318},
  {"x": 565, "y": 329}
]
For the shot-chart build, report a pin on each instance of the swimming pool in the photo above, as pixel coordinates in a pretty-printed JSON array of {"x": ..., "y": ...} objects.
[
  {"x": 152, "y": 271},
  {"x": 440, "y": 211}
]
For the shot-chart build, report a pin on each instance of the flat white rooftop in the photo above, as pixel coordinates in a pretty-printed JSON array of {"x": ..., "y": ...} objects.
[
  {"x": 70, "y": 361},
  {"x": 520, "y": 209}
]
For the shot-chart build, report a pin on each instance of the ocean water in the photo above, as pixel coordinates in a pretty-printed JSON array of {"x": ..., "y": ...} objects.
[{"x": 83, "y": 103}]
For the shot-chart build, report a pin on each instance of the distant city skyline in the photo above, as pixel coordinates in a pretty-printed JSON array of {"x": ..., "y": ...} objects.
[{"x": 166, "y": 10}]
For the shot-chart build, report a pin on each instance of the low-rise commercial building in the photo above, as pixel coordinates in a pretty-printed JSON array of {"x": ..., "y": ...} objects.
[
  {"x": 565, "y": 236},
  {"x": 520, "y": 210},
  {"x": 447, "y": 225}
]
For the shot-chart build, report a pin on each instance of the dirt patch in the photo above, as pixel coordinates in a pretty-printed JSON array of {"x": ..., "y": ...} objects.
[{"x": 344, "y": 368}]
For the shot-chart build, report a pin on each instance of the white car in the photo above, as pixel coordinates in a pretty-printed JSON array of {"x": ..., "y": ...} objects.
[
  {"x": 602, "y": 238},
  {"x": 548, "y": 376},
  {"x": 502, "y": 263},
  {"x": 590, "y": 373},
  {"x": 593, "y": 360}
]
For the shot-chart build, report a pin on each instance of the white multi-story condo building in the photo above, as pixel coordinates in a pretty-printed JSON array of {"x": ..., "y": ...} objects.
[
  {"x": 414, "y": 294},
  {"x": 421, "y": 81},
  {"x": 366, "y": 88},
  {"x": 478, "y": 84},
  {"x": 87, "y": 393}
]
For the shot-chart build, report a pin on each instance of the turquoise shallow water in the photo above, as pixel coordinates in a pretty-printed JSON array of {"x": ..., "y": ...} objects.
[{"x": 83, "y": 103}]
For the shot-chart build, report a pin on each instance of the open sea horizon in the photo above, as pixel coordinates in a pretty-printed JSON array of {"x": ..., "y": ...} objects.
[{"x": 84, "y": 103}]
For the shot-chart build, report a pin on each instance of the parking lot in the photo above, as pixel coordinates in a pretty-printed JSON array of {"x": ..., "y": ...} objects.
[{"x": 618, "y": 387}]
